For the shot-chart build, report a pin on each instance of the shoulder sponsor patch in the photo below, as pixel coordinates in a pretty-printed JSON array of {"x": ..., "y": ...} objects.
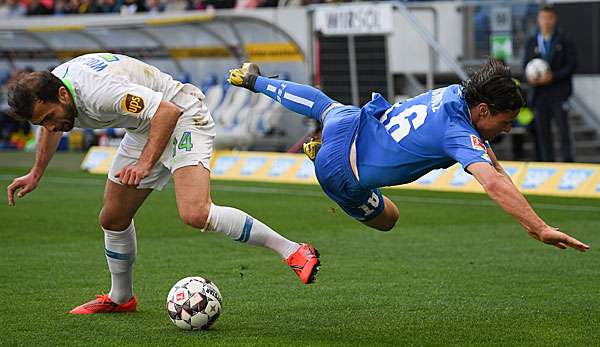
[
  {"x": 133, "y": 103},
  {"x": 477, "y": 143}
]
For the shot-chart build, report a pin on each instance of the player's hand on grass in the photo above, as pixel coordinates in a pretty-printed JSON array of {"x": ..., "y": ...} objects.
[
  {"x": 22, "y": 185},
  {"x": 132, "y": 175},
  {"x": 555, "y": 237}
]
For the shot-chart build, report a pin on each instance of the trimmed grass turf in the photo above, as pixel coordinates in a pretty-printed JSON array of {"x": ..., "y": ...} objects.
[{"x": 456, "y": 270}]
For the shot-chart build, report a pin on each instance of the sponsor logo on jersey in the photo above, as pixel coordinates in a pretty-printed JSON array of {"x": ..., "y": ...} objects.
[
  {"x": 477, "y": 143},
  {"x": 95, "y": 64},
  {"x": 133, "y": 103}
]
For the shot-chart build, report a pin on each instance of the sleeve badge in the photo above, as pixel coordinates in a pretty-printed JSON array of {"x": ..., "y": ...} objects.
[
  {"x": 133, "y": 103},
  {"x": 477, "y": 144}
]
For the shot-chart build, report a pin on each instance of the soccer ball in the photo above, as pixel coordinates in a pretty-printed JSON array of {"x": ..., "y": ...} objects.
[
  {"x": 194, "y": 303},
  {"x": 536, "y": 68}
]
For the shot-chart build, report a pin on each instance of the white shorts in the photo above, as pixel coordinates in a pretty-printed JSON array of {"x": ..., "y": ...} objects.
[{"x": 191, "y": 142}]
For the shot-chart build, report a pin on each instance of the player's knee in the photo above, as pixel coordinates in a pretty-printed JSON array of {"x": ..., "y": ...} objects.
[
  {"x": 387, "y": 226},
  {"x": 386, "y": 220},
  {"x": 392, "y": 214},
  {"x": 195, "y": 217},
  {"x": 113, "y": 222}
]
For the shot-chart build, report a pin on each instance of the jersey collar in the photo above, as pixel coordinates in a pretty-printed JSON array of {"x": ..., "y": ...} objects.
[
  {"x": 69, "y": 86},
  {"x": 469, "y": 114}
]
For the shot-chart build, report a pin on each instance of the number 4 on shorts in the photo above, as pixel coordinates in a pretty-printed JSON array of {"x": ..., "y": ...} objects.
[{"x": 184, "y": 143}]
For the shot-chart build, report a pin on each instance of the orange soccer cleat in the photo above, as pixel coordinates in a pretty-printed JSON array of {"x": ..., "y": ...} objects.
[
  {"x": 103, "y": 304},
  {"x": 305, "y": 263}
]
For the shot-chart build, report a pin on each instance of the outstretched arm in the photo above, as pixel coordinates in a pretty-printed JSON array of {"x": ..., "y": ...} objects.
[
  {"x": 505, "y": 194},
  {"x": 46, "y": 147},
  {"x": 161, "y": 127},
  {"x": 497, "y": 164}
]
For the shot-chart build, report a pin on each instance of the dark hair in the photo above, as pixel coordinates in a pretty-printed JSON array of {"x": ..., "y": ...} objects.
[
  {"x": 492, "y": 84},
  {"x": 31, "y": 87},
  {"x": 548, "y": 8}
]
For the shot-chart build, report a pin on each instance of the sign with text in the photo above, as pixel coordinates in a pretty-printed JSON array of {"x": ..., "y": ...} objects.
[{"x": 357, "y": 19}]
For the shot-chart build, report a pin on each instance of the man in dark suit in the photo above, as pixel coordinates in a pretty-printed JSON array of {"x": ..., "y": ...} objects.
[{"x": 549, "y": 94}]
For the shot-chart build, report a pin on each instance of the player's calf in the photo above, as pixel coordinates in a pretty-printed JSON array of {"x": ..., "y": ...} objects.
[{"x": 299, "y": 98}]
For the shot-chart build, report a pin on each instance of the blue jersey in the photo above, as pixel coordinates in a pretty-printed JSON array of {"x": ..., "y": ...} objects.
[{"x": 397, "y": 144}]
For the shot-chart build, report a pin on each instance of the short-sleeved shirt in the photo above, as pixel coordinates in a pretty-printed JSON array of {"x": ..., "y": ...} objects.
[
  {"x": 115, "y": 91},
  {"x": 397, "y": 144}
]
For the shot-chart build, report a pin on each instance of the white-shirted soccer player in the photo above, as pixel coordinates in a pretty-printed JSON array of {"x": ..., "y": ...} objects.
[{"x": 170, "y": 132}]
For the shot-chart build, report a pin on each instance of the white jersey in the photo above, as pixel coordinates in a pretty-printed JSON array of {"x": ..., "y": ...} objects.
[{"x": 116, "y": 91}]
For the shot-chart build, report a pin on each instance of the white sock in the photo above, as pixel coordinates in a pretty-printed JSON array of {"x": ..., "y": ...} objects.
[
  {"x": 120, "y": 248},
  {"x": 241, "y": 227}
]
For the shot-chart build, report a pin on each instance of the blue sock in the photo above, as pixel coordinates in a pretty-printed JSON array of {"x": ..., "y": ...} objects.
[{"x": 299, "y": 98}]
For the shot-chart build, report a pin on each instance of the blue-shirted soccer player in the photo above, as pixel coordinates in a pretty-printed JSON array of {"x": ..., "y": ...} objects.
[{"x": 382, "y": 145}]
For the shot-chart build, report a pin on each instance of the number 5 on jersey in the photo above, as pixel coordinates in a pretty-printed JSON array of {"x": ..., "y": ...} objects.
[{"x": 184, "y": 143}]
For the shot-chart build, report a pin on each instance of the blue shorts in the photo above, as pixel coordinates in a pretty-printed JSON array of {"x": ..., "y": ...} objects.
[{"x": 333, "y": 170}]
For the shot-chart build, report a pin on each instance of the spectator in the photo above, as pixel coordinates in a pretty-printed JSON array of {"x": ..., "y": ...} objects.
[
  {"x": 87, "y": 6},
  {"x": 108, "y": 6},
  {"x": 132, "y": 6},
  {"x": 12, "y": 8},
  {"x": 549, "y": 94},
  {"x": 154, "y": 6},
  {"x": 217, "y": 4},
  {"x": 70, "y": 6},
  {"x": 268, "y": 3},
  {"x": 176, "y": 5},
  {"x": 195, "y": 5},
  {"x": 61, "y": 7},
  {"x": 35, "y": 7},
  {"x": 241, "y": 4}
]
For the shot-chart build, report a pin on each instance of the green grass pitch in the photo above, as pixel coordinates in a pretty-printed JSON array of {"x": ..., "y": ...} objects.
[{"x": 456, "y": 270}]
